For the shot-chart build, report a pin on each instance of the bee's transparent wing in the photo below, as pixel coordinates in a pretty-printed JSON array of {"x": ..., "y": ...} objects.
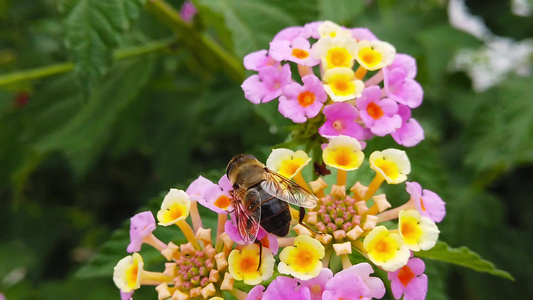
[
  {"x": 248, "y": 216},
  {"x": 284, "y": 189}
]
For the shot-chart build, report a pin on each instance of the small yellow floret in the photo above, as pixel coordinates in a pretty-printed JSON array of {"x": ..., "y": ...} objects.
[
  {"x": 175, "y": 208},
  {"x": 392, "y": 164},
  {"x": 374, "y": 55},
  {"x": 386, "y": 249},
  {"x": 338, "y": 57},
  {"x": 243, "y": 265},
  {"x": 303, "y": 259},
  {"x": 335, "y": 52},
  {"x": 419, "y": 233},
  {"x": 127, "y": 273},
  {"x": 343, "y": 153},
  {"x": 287, "y": 162},
  {"x": 341, "y": 85},
  {"x": 330, "y": 29}
]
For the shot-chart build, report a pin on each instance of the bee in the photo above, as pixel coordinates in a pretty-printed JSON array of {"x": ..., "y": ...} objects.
[{"x": 261, "y": 197}]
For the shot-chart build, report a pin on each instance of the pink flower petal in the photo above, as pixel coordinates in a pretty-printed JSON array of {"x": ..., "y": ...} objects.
[
  {"x": 435, "y": 207},
  {"x": 225, "y": 184},
  {"x": 417, "y": 265},
  {"x": 123, "y": 296},
  {"x": 198, "y": 187},
  {"x": 280, "y": 49},
  {"x": 142, "y": 225},
  {"x": 345, "y": 286},
  {"x": 406, "y": 63},
  {"x": 274, "y": 80},
  {"x": 311, "y": 30},
  {"x": 256, "y": 293},
  {"x": 375, "y": 284},
  {"x": 409, "y": 134},
  {"x": 231, "y": 229},
  {"x": 318, "y": 284},
  {"x": 286, "y": 288},
  {"x": 256, "y": 60},
  {"x": 254, "y": 89},
  {"x": 417, "y": 290},
  {"x": 288, "y": 34},
  {"x": 401, "y": 89},
  {"x": 362, "y": 33},
  {"x": 292, "y": 110},
  {"x": 428, "y": 203}
]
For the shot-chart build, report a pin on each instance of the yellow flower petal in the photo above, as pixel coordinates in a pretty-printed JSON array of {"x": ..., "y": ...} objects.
[
  {"x": 343, "y": 153},
  {"x": 243, "y": 265},
  {"x": 338, "y": 52},
  {"x": 287, "y": 162},
  {"x": 374, "y": 55},
  {"x": 386, "y": 249},
  {"x": 419, "y": 233},
  {"x": 127, "y": 273},
  {"x": 392, "y": 164},
  {"x": 175, "y": 208},
  {"x": 341, "y": 85},
  {"x": 303, "y": 259},
  {"x": 330, "y": 29}
]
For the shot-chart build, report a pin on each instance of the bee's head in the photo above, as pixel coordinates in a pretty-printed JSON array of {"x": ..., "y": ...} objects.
[{"x": 238, "y": 160}]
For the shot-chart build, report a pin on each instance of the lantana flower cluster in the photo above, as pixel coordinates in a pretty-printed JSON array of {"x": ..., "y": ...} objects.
[
  {"x": 345, "y": 79},
  {"x": 348, "y": 222},
  {"x": 354, "y": 86}
]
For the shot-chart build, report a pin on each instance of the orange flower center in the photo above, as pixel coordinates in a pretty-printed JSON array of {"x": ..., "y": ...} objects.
[
  {"x": 176, "y": 211},
  {"x": 410, "y": 230},
  {"x": 382, "y": 246},
  {"x": 343, "y": 157},
  {"x": 249, "y": 264},
  {"x": 303, "y": 258},
  {"x": 369, "y": 56},
  {"x": 131, "y": 274},
  {"x": 374, "y": 111},
  {"x": 389, "y": 168},
  {"x": 422, "y": 204},
  {"x": 338, "y": 57},
  {"x": 341, "y": 85},
  {"x": 289, "y": 168},
  {"x": 306, "y": 98},
  {"x": 265, "y": 241},
  {"x": 299, "y": 53},
  {"x": 405, "y": 275},
  {"x": 222, "y": 202}
]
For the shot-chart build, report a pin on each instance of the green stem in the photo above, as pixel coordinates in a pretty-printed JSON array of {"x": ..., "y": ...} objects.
[
  {"x": 55, "y": 69},
  {"x": 35, "y": 73},
  {"x": 200, "y": 45}
]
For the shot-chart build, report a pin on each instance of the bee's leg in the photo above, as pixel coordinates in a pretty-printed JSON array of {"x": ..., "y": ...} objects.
[
  {"x": 301, "y": 216},
  {"x": 260, "y": 252}
]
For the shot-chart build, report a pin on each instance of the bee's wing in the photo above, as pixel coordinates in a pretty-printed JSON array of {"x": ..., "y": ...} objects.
[
  {"x": 248, "y": 217},
  {"x": 284, "y": 189}
]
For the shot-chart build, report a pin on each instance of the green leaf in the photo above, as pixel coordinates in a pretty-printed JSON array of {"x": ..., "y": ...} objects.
[
  {"x": 439, "y": 44},
  {"x": 340, "y": 11},
  {"x": 82, "y": 139},
  {"x": 92, "y": 30},
  {"x": 500, "y": 134},
  {"x": 252, "y": 24},
  {"x": 462, "y": 257},
  {"x": 304, "y": 11}
]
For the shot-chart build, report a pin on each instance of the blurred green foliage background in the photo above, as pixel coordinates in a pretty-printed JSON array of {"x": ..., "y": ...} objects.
[{"x": 127, "y": 101}]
